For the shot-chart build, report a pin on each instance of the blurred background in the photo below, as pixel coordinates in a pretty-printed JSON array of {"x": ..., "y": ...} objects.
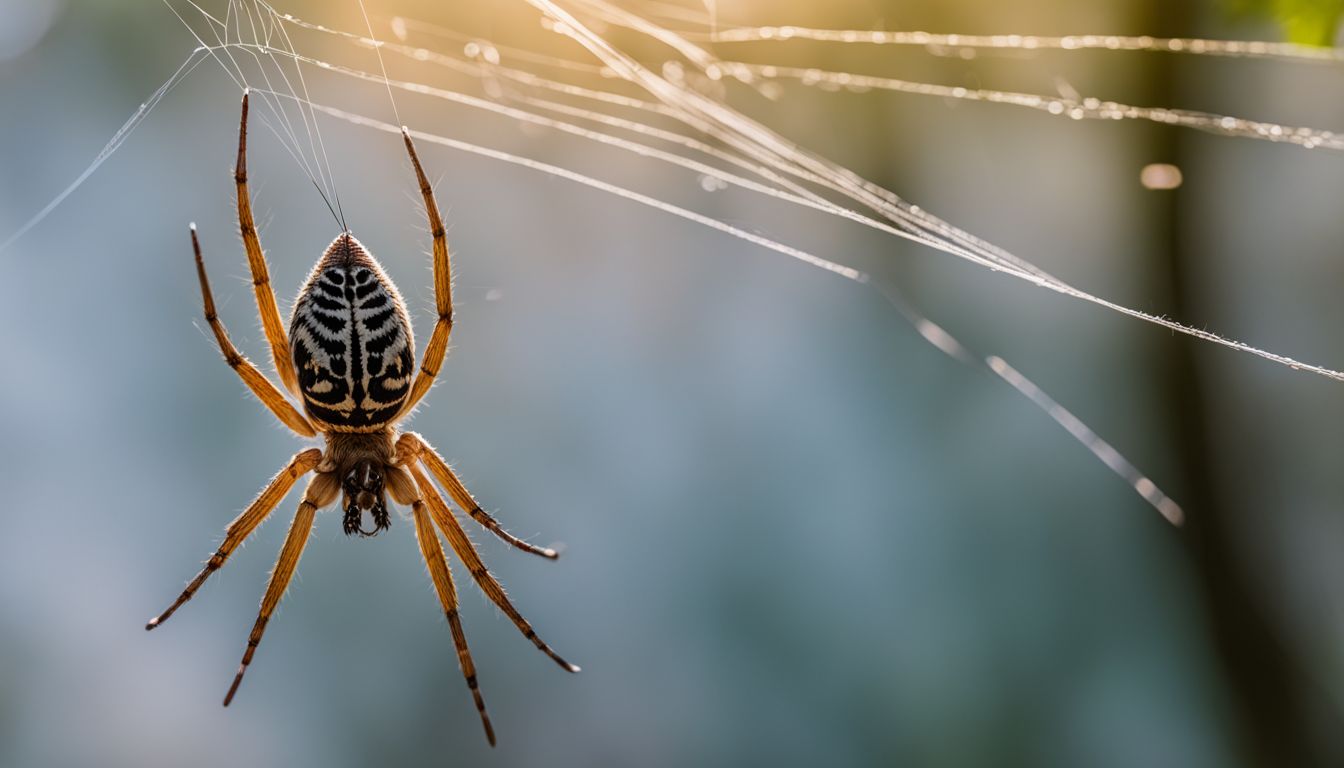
[{"x": 796, "y": 534}]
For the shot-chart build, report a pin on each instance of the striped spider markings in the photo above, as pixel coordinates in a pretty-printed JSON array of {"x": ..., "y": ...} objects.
[{"x": 351, "y": 341}]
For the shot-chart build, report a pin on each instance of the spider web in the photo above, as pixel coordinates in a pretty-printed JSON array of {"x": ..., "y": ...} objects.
[{"x": 662, "y": 94}]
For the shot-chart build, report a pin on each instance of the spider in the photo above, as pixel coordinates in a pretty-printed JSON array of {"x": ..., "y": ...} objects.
[{"x": 349, "y": 357}]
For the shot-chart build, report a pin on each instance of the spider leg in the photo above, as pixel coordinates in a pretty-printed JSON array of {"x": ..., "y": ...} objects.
[
  {"x": 290, "y": 552},
  {"x": 443, "y": 584},
  {"x": 443, "y": 288},
  {"x": 460, "y": 496},
  {"x": 256, "y": 261},
  {"x": 457, "y": 539},
  {"x": 254, "y": 379},
  {"x": 245, "y": 524}
]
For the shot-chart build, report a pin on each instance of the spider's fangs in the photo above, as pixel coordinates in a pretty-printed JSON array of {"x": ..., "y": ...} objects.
[{"x": 363, "y": 488}]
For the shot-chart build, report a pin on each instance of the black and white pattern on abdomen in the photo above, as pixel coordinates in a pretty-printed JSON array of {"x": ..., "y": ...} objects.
[{"x": 351, "y": 348}]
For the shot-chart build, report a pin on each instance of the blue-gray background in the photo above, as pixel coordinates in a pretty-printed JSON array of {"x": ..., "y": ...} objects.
[{"x": 796, "y": 534}]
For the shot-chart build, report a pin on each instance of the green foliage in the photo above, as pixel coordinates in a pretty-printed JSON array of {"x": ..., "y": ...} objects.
[{"x": 1311, "y": 22}]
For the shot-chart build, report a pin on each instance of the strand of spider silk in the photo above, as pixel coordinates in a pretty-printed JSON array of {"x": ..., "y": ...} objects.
[
  {"x": 848, "y": 273},
  {"x": 925, "y": 327},
  {"x": 314, "y": 131},
  {"x": 929, "y": 330},
  {"x": 747, "y": 135},
  {"x": 777, "y": 149},
  {"x": 753, "y": 139},
  {"x": 887, "y": 202},
  {"x": 801, "y": 197},
  {"x": 945, "y": 342},
  {"x": 622, "y": 192},
  {"x": 319, "y": 172},
  {"x": 993, "y": 256},
  {"x": 193, "y": 60},
  {"x": 291, "y": 138},
  {"x": 235, "y": 73},
  {"x": 1115, "y": 461},
  {"x": 736, "y": 129},
  {"x": 310, "y": 119},
  {"x": 805, "y": 199},
  {"x": 220, "y": 30},
  {"x": 1250, "y": 49},
  {"x": 672, "y": 137},
  {"x": 378, "y": 48},
  {"x": 479, "y": 70},
  {"x": 652, "y": 108},
  {"x": 732, "y": 125},
  {"x": 910, "y": 215},
  {"x": 1098, "y": 447},
  {"x": 1076, "y": 109},
  {"x": 474, "y": 68}
]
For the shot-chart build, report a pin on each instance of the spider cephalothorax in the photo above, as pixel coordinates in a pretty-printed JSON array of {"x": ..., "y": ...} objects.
[{"x": 349, "y": 357}]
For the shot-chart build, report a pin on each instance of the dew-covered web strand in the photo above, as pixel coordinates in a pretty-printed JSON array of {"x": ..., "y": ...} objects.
[
  {"x": 489, "y": 53},
  {"x": 1250, "y": 49},
  {"x": 1115, "y": 461},
  {"x": 1005, "y": 261},
  {"x": 124, "y": 132},
  {"x": 1075, "y": 109},
  {"x": 801, "y": 196},
  {"x": 936, "y": 335},
  {"x": 758, "y": 141},
  {"x": 219, "y": 30},
  {"x": 310, "y": 120},
  {"x": 278, "y": 109},
  {"x": 773, "y": 155},
  {"x": 316, "y": 172},
  {"x": 382, "y": 66},
  {"x": 790, "y": 191},
  {"x": 929, "y": 330},
  {"x": 314, "y": 133},
  {"x": 908, "y": 215}
]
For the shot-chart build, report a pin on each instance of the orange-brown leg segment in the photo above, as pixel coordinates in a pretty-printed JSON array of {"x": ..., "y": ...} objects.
[
  {"x": 245, "y": 524},
  {"x": 457, "y": 539},
  {"x": 443, "y": 584},
  {"x": 290, "y": 553},
  {"x": 256, "y": 261},
  {"x": 443, "y": 288},
  {"x": 463, "y": 499},
  {"x": 261, "y": 386}
]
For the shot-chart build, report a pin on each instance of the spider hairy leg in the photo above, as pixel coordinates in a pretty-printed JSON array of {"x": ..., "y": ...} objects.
[
  {"x": 437, "y": 347},
  {"x": 439, "y": 572},
  {"x": 457, "y": 539},
  {"x": 256, "y": 262},
  {"x": 255, "y": 380},
  {"x": 243, "y": 526},
  {"x": 462, "y": 498},
  {"x": 321, "y": 491}
]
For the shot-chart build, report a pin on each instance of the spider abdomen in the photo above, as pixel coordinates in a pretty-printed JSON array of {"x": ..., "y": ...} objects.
[{"x": 351, "y": 341}]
